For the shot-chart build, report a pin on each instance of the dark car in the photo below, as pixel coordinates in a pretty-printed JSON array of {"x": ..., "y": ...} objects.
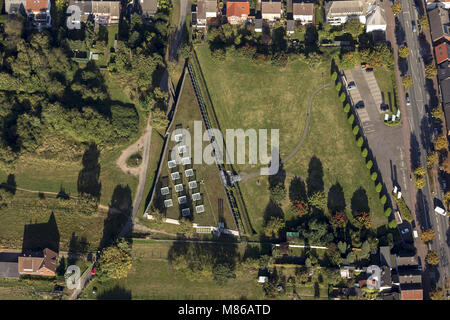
[
  {"x": 413, "y": 23},
  {"x": 351, "y": 85},
  {"x": 369, "y": 69},
  {"x": 359, "y": 105}
]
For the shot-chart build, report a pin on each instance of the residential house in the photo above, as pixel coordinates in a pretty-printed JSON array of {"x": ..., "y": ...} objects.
[
  {"x": 258, "y": 25},
  {"x": 431, "y": 4},
  {"x": 439, "y": 24},
  {"x": 15, "y": 6},
  {"x": 376, "y": 19},
  {"x": 271, "y": 10},
  {"x": 303, "y": 12},
  {"x": 237, "y": 12},
  {"x": 103, "y": 12},
  {"x": 41, "y": 263},
  {"x": 148, "y": 8},
  {"x": 205, "y": 9},
  {"x": 442, "y": 52},
  {"x": 290, "y": 26},
  {"x": 410, "y": 277},
  {"x": 339, "y": 12},
  {"x": 38, "y": 13},
  {"x": 8, "y": 265}
]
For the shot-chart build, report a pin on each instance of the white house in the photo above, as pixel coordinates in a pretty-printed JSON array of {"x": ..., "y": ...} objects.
[
  {"x": 303, "y": 12},
  {"x": 431, "y": 4},
  {"x": 271, "y": 10},
  {"x": 339, "y": 12},
  {"x": 376, "y": 20}
]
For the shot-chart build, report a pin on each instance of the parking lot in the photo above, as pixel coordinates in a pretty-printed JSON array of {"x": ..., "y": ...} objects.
[{"x": 386, "y": 143}]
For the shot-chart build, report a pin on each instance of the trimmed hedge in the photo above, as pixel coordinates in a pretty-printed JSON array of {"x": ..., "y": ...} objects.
[
  {"x": 338, "y": 86},
  {"x": 403, "y": 208},
  {"x": 364, "y": 153},
  {"x": 378, "y": 187},
  {"x": 360, "y": 142},
  {"x": 369, "y": 164},
  {"x": 342, "y": 97},
  {"x": 387, "y": 212},
  {"x": 374, "y": 176},
  {"x": 383, "y": 199},
  {"x": 392, "y": 224},
  {"x": 355, "y": 130},
  {"x": 334, "y": 76},
  {"x": 351, "y": 119},
  {"x": 347, "y": 108}
]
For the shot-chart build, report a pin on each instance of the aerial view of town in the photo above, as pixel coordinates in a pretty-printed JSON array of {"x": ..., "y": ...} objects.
[{"x": 224, "y": 150}]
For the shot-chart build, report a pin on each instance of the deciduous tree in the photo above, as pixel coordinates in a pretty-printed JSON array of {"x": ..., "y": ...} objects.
[
  {"x": 441, "y": 143},
  {"x": 432, "y": 258},
  {"x": 407, "y": 82},
  {"x": 396, "y": 7},
  {"x": 403, "y": 52},
  {"x": 428, "y": 235}
]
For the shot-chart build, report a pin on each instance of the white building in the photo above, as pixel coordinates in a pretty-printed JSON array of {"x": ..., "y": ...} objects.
[
  {"x": 271, "y": 10},
  {"x": 339, "y": 12},
  {"x": 375, "y": 20},
  {"x": 431, "y": 4}
]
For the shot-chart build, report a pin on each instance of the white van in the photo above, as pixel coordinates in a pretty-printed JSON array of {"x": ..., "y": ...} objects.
[
  {"x": 415, "y": 234},
  {"x": 440, "y": 211}
]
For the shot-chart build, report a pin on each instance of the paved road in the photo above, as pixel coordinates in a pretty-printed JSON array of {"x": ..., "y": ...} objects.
[{"x": 420, "y": 129}]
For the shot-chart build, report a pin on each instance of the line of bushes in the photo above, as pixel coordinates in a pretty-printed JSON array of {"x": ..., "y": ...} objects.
[
  {"x": 403, "y": 208},
  {"x": 375, "y": 177}
]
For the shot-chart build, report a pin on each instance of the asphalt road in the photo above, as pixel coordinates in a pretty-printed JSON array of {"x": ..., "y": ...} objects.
[{"x": 421, "y": 130}]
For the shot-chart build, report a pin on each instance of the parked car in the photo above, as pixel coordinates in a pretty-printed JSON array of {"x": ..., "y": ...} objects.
[
  {"x": 414, "y": 28},
  {"x": 351, "y": 85},
  {"x": 419, "y": 263},
  {"x": 404, "y": 231},
  {"x": 415, "y": 234},
  {"x": 369, "y": 69},
  {"x": 359, "y": 105},
  {"x": 408, "y": 102},
  {"x": 440, "y": 211},
  {"x": 93, "y": 270}
]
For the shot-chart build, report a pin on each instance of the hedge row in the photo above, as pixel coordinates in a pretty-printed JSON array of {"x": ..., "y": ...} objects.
[{"x": 403, "y": 208}]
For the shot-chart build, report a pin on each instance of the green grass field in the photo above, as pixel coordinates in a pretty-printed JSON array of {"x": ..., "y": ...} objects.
[
  {"x": 152, "y": 277},
  {"x": 248, "y": 95},
  {"x": 211, "y": 190}
]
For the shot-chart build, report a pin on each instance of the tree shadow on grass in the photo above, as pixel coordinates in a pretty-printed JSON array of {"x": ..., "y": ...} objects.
[
  {"x": 297, "y": 190},
  {"x": 88, "y": 178},
  {"x": 39, "y": 236},
  {"x": 116, "y": 293},
  {"x": 360, "y": 202},
  {"x": 315, "y": 176},
  {"x": 336, "y": 198},
  {"x": 120, "y": 209}
]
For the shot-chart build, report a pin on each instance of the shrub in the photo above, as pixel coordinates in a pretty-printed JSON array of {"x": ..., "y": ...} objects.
[
  {"x": 360, "y": 142},
  {"x": 383, "y": 199},
  {"x": 374, "y": 176},
  {"x": 369, "y": 164},
  {"x": 355, "y": 130},
  {"x": 378, "y": 187},
  {"x": 404, "y": 210},
  {"x": 392, "y": 224},
  {"x": 334, "y": 76},
  {"x": 347, "y": 108},
  {"x": 387, "y": 212},
  {"x": 364, "y": 153},
  {"x": 351, "y": 119},
  {"x": 342, "y": 97},
  {"x": 338, "y": 86}
]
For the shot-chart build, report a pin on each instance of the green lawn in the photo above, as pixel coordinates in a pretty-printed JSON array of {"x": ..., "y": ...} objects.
[
  {"x": 386, "y": 81},
  {"x": 248, "y": 95},
  {"x": 211, "y": 190},
  {"x": 21, "y": 289}
]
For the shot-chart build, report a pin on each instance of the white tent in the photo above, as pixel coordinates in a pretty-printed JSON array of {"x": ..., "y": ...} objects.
[
  {"x": 168, "y": 203},
  {"x": 182, "y": 200},
  {"x": 200, "y": 208},
  {"x": 178, "y": 187}
]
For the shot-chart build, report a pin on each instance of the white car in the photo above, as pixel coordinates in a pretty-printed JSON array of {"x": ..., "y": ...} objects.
[
  {"x": 440, "y": 211},
  {"x": 405, "y": 231},
  {"x": 415, "y": 234}
]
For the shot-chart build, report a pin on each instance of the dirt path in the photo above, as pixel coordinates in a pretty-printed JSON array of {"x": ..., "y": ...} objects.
[{"x": 136, "y": 147}]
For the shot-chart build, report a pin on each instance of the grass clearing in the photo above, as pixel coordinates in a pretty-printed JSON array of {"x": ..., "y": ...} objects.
[
  {"x": 386, "y": 81},
  {"x": 249, "y": 95}
]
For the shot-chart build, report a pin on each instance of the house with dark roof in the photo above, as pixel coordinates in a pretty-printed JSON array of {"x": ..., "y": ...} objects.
[
  {"x": 148, "y": 8},
  {"x": 15, "y": 6},
  {"x": 290, "y": 26},
  {"x": 103, "y": 12},
  {"x": 40, "y": 263},
  {"x": 410, "y": 277},
  {"x": 38, "y": 13},
  {"x": 431, "y": 4},
  {"x": 258, "y": 25},
  {"x": 439, "y": 24},
  {"x": 271, "y": 10},
  {"x": 8, "y": 265},
  {"x": 237, "y": 12}
]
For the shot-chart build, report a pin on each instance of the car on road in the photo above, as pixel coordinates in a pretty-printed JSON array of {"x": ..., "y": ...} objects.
[
  {"x": 359, "y": 105},
  {"x": 419, "y": 263},
  {"x": 351, "y": 85},
  {"x": 415, "y": 234},
  {"x": 414, "y": 28},
  {"x": 404, "y": 231},
  {"x": 369, "y": 69},
  {"x": 440, "y": 211},
  {"x": 408, "y": 101}
]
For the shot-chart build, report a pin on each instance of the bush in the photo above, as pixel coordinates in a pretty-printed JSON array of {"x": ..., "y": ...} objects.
[
  {"x": 387, "y": 212},
  {"x": 338, "y": 86},
  {"x": 364, "y": 153},
  {"x": 369, "y": 164},
  {"x": 383, "y": 199},
  {"x": 334, "y": 76},
  {"x": 404, "y": 210},
  {"x": 342, "y": 97},
  {"x": 378, "y": 187},
  {"x": 360, "y": 142},
  {"x": 347, "y": 108},
  {"x": 355, "y": 130},
  {"x": 351, "y": 119},
  {"x": 374, "y": 176},
  {"x": 392, "y": 224}
]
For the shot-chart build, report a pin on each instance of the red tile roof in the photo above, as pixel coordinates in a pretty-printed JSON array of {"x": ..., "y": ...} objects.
[
  {"x": 412, "y": 294},
  {"x": 442, "y": 52},
  {"x": 237, "y": 9},
  {"x": 36, "y": 5}
]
